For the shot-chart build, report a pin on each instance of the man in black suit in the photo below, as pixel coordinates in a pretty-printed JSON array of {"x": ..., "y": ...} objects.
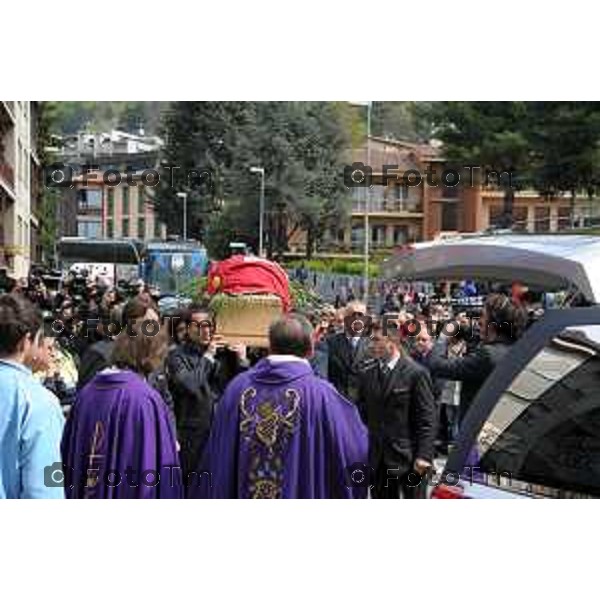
[
  {"x": 198, "y": 371},
  {"x": 396, "y": 402},
  {"x": 348, "y": 351}
]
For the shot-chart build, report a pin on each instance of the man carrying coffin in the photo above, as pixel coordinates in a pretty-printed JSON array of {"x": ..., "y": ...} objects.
[{"x": 282, "y": 432}]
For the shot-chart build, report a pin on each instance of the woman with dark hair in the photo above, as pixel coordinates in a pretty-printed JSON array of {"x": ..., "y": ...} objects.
[
  {"x": 119, "y": 441},
  {"x": 31, "y": 421},
  {"x": 99, "y": 355},
  {"x": 502, "y": 323}
]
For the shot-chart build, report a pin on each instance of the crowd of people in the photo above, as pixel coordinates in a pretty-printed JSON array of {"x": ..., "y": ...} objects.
[{"x": 103, "y": 396}]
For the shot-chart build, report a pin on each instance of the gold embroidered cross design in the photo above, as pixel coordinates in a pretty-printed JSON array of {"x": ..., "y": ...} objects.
[{"x": 267, "y": 427}]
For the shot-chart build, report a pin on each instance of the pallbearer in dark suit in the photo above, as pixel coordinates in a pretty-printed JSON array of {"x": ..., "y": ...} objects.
[
  {"x": 396, "y": 401},
  {"x": 348, "y": 351}
]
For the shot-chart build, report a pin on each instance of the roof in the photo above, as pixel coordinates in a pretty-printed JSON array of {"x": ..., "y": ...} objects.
[
  {"x": 117, "y": 251},
  {"x": 545, "y": 261},
  {"x": 180, "y": 246}
]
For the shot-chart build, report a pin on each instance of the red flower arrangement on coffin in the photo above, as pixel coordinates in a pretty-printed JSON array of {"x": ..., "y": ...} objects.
[{"x": 249, "y": 275}]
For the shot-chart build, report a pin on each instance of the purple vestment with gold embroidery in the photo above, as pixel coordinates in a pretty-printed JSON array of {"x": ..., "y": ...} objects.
[
  {"x": 282, "y": 432},
  {"x": 119, "y": 441}
]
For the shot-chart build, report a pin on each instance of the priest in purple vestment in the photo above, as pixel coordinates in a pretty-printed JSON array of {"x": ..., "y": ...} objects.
[
  {"x": 282, "y": 432},
  {"x": 119, "y": 441}
]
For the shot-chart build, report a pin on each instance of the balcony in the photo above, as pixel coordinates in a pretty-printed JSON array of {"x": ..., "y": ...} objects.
[
  {"x": 9, "y": 108},
  {"x": 395, "y": 201},
  {"x": 35, "y": 188},
  {"x": 34, "y": 129},
  {"x": 7, "y": 177},
  {"x": 394, "y": 207}
]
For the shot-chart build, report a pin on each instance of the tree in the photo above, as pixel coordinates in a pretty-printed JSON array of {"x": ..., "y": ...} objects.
[
  {"x": 564, "y": 140},
  {"x": 49, "y": 227},
  {"x": 131, "y": 117},
  {"x": 488, "y": 135},
  {"x": 549, "y": 146},
  {"x": 300, "y": 146},
  {"x": 200, "y": 142},
  {"x": 401, "y": 120}
]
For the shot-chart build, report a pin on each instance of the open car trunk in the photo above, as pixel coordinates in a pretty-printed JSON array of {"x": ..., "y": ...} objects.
[{"x": 548, "y": 262}]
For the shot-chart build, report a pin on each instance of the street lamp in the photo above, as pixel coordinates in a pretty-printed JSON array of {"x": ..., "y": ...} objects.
[
  {"x": 183, "y": 196},
  {"x": 367, "y": 198},
  {"x": 367, "y": 207},
  {"x": 261, "y": 171}
]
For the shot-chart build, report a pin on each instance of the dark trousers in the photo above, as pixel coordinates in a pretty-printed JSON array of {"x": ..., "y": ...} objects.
[
  {"x": 391, "y": 485},
  {"x": 192, "y": 444}
]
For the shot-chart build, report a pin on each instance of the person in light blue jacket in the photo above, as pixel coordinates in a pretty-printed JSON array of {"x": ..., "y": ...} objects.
[{"x": 31, "y": 421}]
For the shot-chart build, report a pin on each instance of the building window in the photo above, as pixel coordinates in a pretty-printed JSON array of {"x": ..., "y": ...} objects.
[
  {"x": 378, "y": 235},
  {"x": 449, "y": 216},
  {"x": 90, "y": 199},
  {"x": 449, "y": 191},
  {"x": 519, "y": 218},
  {"x": 141, "y": 199},
  {"x": 125, "y": 227},
  {"x": 564, "y": 217},
  {"x": 126, "y": 200},
  {"x": 496, "y": 213},
  {"x": 358, "y": 235},
  {"x": 89, "y": 229},
  {"x": 110, "y": 229},
  {"x": 401, "y": 191},
  {"x": 110, "y": 201},
  {"x": 141, "y": 228},
  {"x": 359, "y": 196},
  {"x": 400, "y": 235},
  {"x": 19, "y": 161},
  {"x": 542, "y": 219}
]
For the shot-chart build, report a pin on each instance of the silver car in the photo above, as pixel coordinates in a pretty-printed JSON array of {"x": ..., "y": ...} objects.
[{"x": 533, "y": 430}]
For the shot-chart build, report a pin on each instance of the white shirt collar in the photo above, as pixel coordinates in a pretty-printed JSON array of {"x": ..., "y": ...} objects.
[
  {"x": 393, "y": 363},
  {"x": 281, "y": 358}
]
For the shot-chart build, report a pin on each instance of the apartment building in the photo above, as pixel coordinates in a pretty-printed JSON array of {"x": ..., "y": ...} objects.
[
  {"x": 20, "y": 177},
  {"x": 96, "y": 206},
  {"x": 399, "y": 211}
]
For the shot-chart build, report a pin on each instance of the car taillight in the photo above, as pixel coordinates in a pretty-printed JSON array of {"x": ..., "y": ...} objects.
[{"x": 448, "y": 492}]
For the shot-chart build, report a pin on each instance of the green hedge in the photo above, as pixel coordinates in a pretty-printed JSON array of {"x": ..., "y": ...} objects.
[
  {"x": 195, "y": 288},
  {"x": 336, "y": 265}
]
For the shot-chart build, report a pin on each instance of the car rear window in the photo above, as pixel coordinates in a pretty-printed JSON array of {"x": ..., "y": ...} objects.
[{"x": 543, "y": 435}]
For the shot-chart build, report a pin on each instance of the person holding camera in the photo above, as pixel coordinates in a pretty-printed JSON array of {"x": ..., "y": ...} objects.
[
  {"x": 320, "y": 356},
  {"x": 446, "y": 392},
  {"x": 31, "y": 420},
  {"x": 198, "y": 371},
  {"x": 502, "y": 322},
  {"x": 348, "y": 350},
  {"x": 396, "y": 402}
]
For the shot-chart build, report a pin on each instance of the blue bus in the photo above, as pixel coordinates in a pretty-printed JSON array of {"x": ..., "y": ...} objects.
[{"x": 168, "y": 266}]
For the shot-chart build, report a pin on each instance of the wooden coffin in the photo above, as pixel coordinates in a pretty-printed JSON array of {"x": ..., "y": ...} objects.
[{"x": 245, "y": 318}]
